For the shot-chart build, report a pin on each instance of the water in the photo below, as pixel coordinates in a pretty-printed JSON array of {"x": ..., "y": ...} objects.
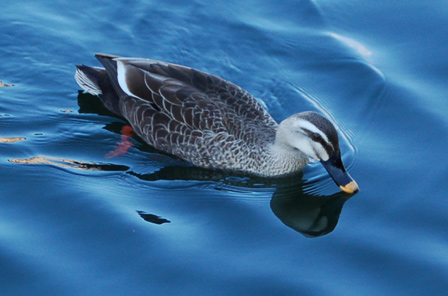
[{"x": 70, "y": 226}]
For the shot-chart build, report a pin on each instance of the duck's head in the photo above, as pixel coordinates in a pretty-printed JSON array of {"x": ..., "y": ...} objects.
[{"x": 316, "y": 136}]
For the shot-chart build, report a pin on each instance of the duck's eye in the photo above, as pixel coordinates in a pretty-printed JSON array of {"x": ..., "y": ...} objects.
[{"x": 316, "y": 137}]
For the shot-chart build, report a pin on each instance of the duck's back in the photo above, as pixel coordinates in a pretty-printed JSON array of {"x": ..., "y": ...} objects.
[{"x": 191, "y": 114}]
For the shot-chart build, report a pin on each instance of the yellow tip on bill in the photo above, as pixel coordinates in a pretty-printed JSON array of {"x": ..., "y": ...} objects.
[{"x": 350, "y": 188}]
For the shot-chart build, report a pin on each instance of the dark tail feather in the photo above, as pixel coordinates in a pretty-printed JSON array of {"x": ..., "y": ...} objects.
[{"x": 111, "y": 68}]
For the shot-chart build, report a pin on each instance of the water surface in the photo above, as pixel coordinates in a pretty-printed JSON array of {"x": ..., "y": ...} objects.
[{"x": 77, "y": 223}]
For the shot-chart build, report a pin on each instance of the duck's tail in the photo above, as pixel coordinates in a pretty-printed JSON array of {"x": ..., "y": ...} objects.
[
  {"x": 95, "y": 81},
  {"x": 88, "y": 78}
]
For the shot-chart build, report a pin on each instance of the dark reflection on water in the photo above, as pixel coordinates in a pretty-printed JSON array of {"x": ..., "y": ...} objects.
[
  {"x": 312, "y": 216},
  {"x": 308, "y": 214}
]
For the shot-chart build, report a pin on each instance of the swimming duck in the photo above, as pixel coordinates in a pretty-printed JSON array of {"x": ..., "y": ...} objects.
[{"x": 211, "y": 122}]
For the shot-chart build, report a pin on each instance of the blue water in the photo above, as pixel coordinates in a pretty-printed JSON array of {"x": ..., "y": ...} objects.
[{"x": 377, "y": 69}]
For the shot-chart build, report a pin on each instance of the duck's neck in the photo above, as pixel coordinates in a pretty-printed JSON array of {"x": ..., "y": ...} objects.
[
  {"x": 276, "y": 156},
  {"x": 284, "y": 159}
]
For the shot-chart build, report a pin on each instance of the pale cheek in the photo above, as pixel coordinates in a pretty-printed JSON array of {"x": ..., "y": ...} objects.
[
  {"x": 323, "y": 155},
  {"x": 306, "y": 148}
]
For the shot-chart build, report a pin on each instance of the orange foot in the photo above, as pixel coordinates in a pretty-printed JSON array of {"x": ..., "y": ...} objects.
[{"x": 124, "y": 145}]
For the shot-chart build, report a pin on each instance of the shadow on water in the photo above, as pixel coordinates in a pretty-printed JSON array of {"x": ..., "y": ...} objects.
[{"x": 308, "y": 214}]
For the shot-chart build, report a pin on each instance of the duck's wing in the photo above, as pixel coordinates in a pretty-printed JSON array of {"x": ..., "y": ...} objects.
[
  {"x": 182, "y": 110},
  {"x": 161, "y": 82}
]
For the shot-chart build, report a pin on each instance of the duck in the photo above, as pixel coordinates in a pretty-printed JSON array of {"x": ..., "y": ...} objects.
[{"x": 210, "y": 122}]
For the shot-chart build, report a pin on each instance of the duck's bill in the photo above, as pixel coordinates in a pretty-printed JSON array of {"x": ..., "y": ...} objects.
[{"x": 336, "y": 170}]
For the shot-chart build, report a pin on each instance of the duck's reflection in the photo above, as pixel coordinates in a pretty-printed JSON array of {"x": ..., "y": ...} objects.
[{"x": 310, "y": 215}]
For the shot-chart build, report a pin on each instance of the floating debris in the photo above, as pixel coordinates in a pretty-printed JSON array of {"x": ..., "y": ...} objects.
[
  {"x": 11, "y": 140},
  {"x": 69, "y": 163},
  {"x": 5, "y": 85}
]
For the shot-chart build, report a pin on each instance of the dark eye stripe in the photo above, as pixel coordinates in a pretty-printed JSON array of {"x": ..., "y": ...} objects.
[{"x": 318, "y": 138}]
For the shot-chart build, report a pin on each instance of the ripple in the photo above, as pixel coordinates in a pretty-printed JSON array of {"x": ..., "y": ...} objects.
[{"x": 354, "y": 44}]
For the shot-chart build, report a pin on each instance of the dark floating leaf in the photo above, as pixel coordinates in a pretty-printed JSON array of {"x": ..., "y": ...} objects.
[{"x": 152, "y": 218}]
